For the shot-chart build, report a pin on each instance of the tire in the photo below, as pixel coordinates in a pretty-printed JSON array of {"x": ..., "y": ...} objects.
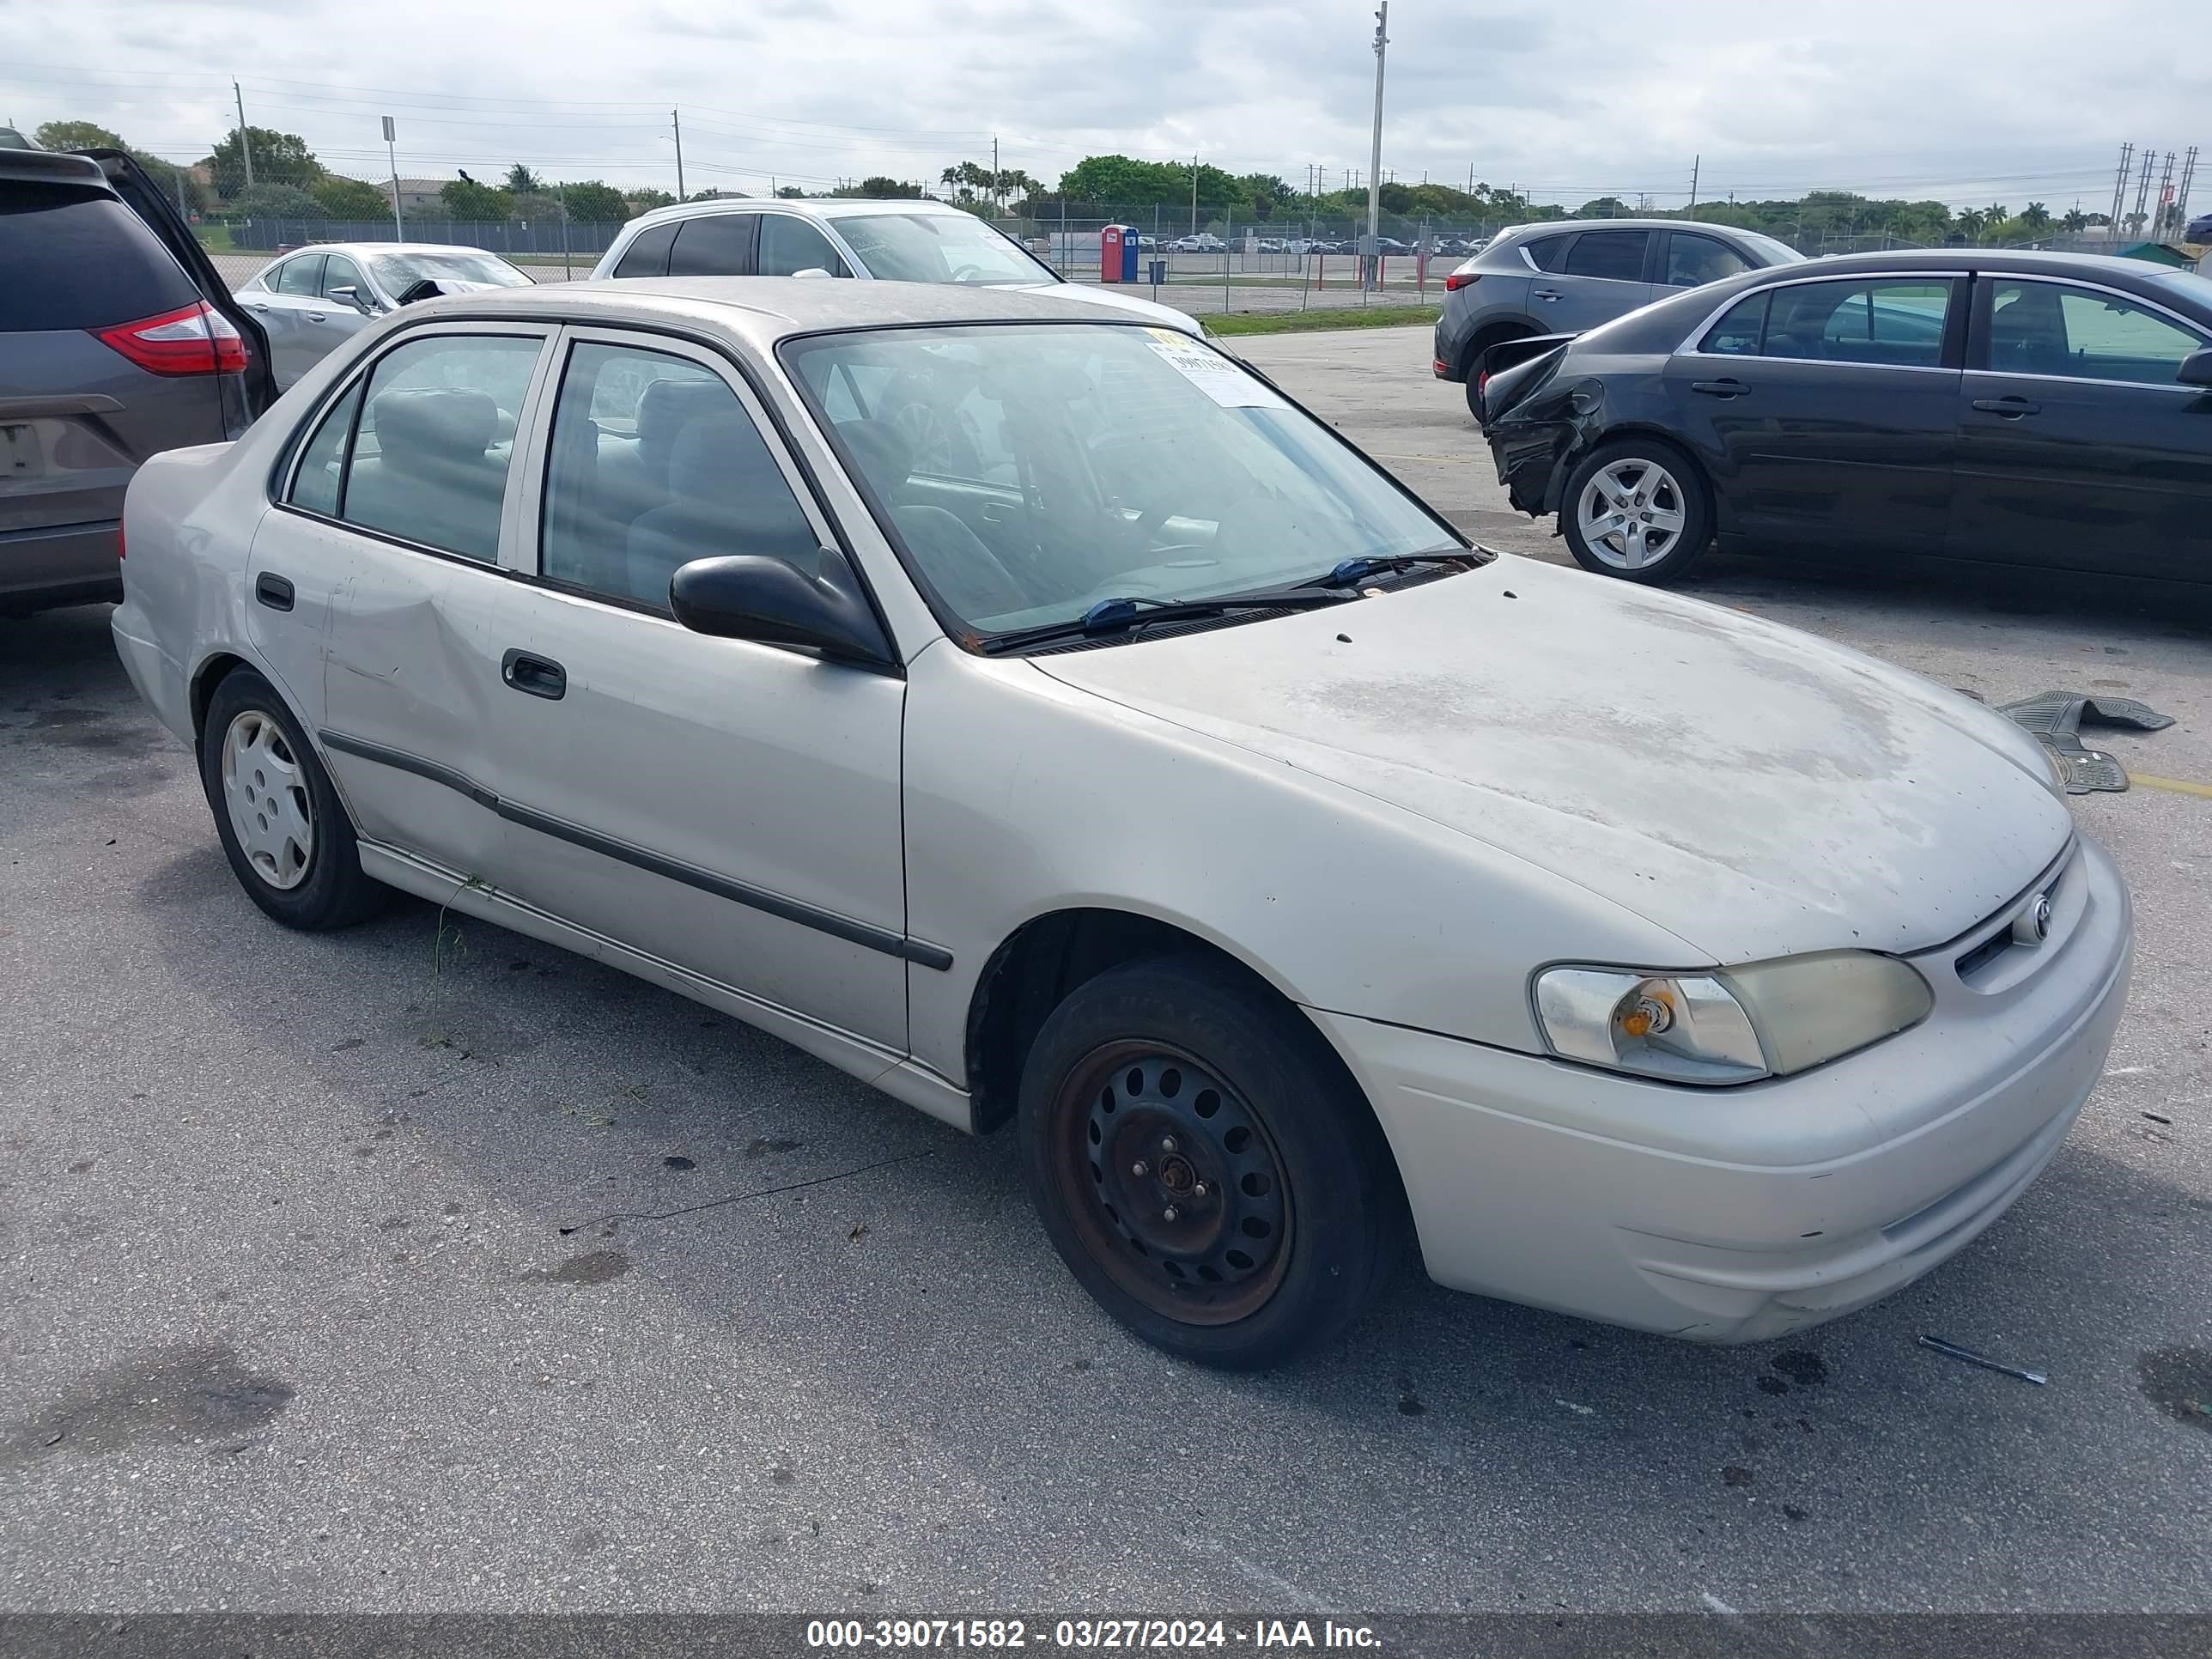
[
  {"x": 1204, "y": 1167},
  {"x": 1677, "y": 503},
  {"x": 1498, "y": 334},
  {"x": 1474, "y": 396},
  {"x": 295, "y": 855}
]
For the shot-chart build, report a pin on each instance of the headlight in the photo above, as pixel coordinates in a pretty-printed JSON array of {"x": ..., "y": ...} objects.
[{"x": 1767, "y": 1019}]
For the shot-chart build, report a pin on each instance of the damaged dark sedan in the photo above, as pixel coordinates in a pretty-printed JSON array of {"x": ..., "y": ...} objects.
[{"x": 2032, "y": 408}]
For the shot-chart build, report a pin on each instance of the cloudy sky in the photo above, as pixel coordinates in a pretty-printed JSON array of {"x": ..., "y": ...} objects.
[{"x": 1964, "y": 101}]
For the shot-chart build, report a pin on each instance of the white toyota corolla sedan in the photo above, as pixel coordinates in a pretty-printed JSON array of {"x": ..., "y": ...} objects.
[{"x": 1039, "y": 717}]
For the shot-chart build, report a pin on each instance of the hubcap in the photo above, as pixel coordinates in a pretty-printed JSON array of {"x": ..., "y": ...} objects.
[
  {"x": 267, "y": 793},
  {"x": 1631, "y": 513},
  {"x": 1174, "y": 1184}
]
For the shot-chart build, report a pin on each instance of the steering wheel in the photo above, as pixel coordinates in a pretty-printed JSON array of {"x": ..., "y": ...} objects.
[{"x": 962, "y": 273}]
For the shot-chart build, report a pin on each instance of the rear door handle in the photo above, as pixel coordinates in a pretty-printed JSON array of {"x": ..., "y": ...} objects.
[
  {"x": 250, "y": 306},
  {"x": 273, "y": 591},
  {"x": 1720, "y": 388},
  {"x": 540, "y": 677},
  {"x": 315, "y": 316},
  {"x": 1545, "y": 294},
  {"x": 2011, "y": 407}
]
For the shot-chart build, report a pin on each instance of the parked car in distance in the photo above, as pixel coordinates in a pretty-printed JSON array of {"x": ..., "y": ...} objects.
[
  {"x": 1568, "y": 274},
  {"x": 624, "y": 615},
  {"x": 2199, "y": 230},
  {"x": 117, "y": 339},
  {"x": 2017, "y": 408},
  {"x": 1204, "y": 241},
  {"x": 314, "y": 300},
  {"x": 921, "y": 241}
]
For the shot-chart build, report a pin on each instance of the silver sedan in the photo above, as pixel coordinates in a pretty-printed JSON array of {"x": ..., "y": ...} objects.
[
  {"x": 313, "y": 301},
  {"x": 1038, "y": 716}
]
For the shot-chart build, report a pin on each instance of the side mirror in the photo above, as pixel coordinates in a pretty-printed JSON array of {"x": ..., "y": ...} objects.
[
  {"x": 750, "y": 596},
  {"x": 2195, "y": 368},
  {"x": 349, "y": 294}
]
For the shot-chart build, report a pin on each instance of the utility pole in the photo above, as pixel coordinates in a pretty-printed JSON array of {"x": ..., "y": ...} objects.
[
  {"x": 245, "y": 138},
  {"x": 676, "y": 119},
  {"x": 2143, "y": 191},
  {"x": 1375, "y": 153},
  {"x": 2119, "y": 194},
  {"x": 392, "y": 154},
  {"x": 2188, "y": 178},
  {"x": 1194, "y": 195},
  {"x": 994, "y": 174},
  {"x": 1695, "y": 162},
  {"x": 2165, "y": 196}
]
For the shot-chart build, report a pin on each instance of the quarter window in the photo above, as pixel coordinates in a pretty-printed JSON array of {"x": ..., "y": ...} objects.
[
  {"x": 1884, "y": 321},
  {"x": 655, "y": 462},
  {"x": 322, "y": 464},
  {"x": 2040, "y": 328},
  {"x": 1547, "y": 251},
  {"x": 789, "y": 245},
  {"x": 648, "y": 255},
  {"x": 436, "y": 437},
  {"x": 1616, "y": 255},
  {"x": 1736, "y": 334}
]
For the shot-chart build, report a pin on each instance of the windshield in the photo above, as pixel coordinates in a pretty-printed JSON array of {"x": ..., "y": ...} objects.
[
  {"x": 398, "y": 272},
  {"x": 1032, "y": 471},
  {"x": 936, "y": 247}
]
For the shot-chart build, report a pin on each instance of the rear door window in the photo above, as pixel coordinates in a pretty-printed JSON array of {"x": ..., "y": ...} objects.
[
  {"x": 1736, "y": 334},
  {"x": 1694, "y": 260},
  {"x": 714, "y": 245},
  {"x": 1548, "y": 252},
  {"x": 302, "y": 275},
  {"x": 1877, "y": 321},
  {"x": 1614, "y": 255},
  {"x": 72, "y": 258},
  {"x": 647, "y": 256}
]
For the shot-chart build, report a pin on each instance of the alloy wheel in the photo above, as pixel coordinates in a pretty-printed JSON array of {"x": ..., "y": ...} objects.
[{"x": 1631, "y": 513}]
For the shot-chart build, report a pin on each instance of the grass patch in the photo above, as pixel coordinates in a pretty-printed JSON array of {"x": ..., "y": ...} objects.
[{"x": 1306, "y": 322}]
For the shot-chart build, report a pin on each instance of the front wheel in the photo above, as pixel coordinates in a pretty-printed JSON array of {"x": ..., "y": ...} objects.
[
  {"x": 1203, "y": 1167},
  {"x": 1639, "y": 509}
]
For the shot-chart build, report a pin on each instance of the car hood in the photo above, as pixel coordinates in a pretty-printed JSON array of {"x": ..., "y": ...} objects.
[
  {"x": 1753, "y": 790},
  {"x": 1084, "y": 294}
]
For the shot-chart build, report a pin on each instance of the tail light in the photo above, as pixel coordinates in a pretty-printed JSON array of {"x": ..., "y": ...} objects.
[
  {"x": 1460, "y": 279},
  {"x": 194, "y": 339},
  {"x": 119, "y": 552}
]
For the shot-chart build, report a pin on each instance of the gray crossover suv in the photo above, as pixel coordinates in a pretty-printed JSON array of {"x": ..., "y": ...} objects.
[
  {"x": 1569, "y": 275},
  {"x": 118, "y": 339}
]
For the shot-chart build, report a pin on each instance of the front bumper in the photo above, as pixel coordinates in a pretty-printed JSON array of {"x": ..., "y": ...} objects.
[{"x": 1734, "y": 1215}]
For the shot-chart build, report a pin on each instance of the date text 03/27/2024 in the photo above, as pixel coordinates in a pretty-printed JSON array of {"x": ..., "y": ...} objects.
[{"x": 1124, "y": 1635}]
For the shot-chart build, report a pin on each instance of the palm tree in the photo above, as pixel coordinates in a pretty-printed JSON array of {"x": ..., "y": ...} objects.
[
  {"x": 2035, "y": 216},
  {"x": 2075, "y": 221},
  {"x": 1971, "y": 221}
]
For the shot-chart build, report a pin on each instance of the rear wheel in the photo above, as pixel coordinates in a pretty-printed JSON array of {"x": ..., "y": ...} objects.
[
  {"x": 1497, "y": 336},
  {"x": 1636, "y": 508},
  {"x": 1203, "y": 1167},
  {"x": 282, "y": 824}
]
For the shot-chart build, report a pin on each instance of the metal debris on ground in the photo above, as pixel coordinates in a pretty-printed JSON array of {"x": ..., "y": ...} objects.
[
  {"x": 2054, "y": 720},
  {"x": 1988, "y": 1365}
]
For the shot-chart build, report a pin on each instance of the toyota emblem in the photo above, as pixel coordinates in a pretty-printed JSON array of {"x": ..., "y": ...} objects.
[{"x": 2032, "y": 925}]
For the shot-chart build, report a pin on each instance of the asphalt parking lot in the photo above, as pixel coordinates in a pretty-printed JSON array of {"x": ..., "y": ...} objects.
[{"x": 422, "y": 1266}]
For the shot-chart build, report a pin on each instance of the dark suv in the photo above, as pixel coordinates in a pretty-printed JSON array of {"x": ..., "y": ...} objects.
[
  {"x": 1569, "y": 275},
  {"x": 117, "y": 339}
]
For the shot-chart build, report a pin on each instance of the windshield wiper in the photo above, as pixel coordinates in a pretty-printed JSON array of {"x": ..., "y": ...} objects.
[
  {"x": 1351, "y": 572},
  {"x": 1127, "y": 615}
]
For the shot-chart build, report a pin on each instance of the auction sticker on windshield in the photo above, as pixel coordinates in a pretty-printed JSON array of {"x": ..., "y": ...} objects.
[{"x": 1217, "y": 376}]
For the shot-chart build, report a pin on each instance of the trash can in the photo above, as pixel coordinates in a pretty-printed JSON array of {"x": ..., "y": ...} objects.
[{"x": 1117, "y": 253}]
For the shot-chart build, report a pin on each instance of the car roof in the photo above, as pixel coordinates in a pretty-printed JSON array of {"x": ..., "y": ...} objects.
[
  {"x": 356, "y": 248},
  {"x": 2038, "y": 261},
  {"x": 52, "y": 166},
  {"x": 764, "y": 310},
  {"x": 844, "y": 208},
  {"x": 1546, "y": 226}
]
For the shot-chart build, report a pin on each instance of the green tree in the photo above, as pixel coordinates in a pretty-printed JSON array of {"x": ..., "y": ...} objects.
[
  {"x": 352, "y": 198},
  {"x": 1605, "y": 207},
  {"x": 644, "y": 201},
  {"x": 465, "y": 198},
  {"x": 1971, "y": 221},
  {"x": 75, "y": 135},
  {"x": 2035, "y": 216},
  {"x": 876, "y": 186},
  {"x": 790, "y": 193},
  {"x": 279, "y": 202},
  {"x": 2074, "y": 222},
  {"x": 521, "y": 181},
  {"x": 537, "y": 207},
  {"x": 592, "y": 202},
  {"x": 279, "y": 158}
]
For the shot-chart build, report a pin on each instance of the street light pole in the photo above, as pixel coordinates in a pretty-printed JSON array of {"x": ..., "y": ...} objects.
[
  {"x": 391, "y": 154},
  {"x": 1374, "y": 158}
]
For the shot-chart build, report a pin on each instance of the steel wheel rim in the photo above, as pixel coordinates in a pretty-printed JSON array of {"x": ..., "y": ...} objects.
[
  {"x": 1173, "y": 1183},
  {"x": 265, "y": 790},
  {"x": 1631, "y": 513}
]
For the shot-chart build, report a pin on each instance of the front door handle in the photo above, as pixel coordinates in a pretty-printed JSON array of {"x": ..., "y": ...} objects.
[
  {"x": 2011, "y": 408},
  {"x": 1720, "y": 388},
  {"x": 540, "y": 677},
  {"x": 1545, "y": 294},
  {"x": 315, "y": 316},
  {"x": 273, "y": 591},
  {"x": 263, "y": 310}
]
